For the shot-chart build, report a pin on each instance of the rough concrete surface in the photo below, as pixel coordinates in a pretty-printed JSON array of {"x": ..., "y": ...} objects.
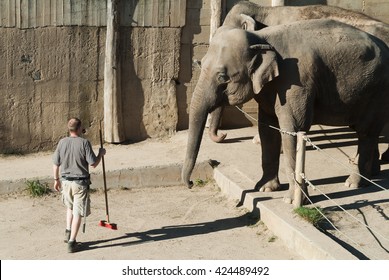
[
  {"x": 46, "y": 76},
  {"x": 240, "y": 160}
]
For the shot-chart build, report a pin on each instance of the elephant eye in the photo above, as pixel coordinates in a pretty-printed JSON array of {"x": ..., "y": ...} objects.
[{"x": 222, "y": 78}]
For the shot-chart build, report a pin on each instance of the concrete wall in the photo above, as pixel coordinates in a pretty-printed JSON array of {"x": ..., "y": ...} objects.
[
  {"x": 46, "y": 76},
  {"x": 48, "y": 73},
  {"x": 150, "y": 69},
  {"x": 41, "y": 13}
]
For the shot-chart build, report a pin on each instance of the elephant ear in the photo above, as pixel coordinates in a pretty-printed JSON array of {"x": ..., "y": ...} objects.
[
  {"x": 247, "y": 22},
  {"x": 264, "y": 66}
]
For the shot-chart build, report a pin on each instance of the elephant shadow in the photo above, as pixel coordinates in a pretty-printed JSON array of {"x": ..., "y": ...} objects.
[{"x": 344, "y": 136}]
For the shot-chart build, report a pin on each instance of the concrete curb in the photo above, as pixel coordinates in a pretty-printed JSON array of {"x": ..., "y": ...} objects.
[
  {"x": 139, "y": 177},
  {"x": 297, "y": 234}
]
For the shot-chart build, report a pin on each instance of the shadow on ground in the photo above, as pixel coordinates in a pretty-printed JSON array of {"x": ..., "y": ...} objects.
[{"x": 174, "y": 232}]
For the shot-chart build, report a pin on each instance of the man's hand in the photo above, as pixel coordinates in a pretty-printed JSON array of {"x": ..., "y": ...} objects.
[
  {"x": 57, "y": 185},
  {"x": 102, "y": 152},
  {"x": 99, "y": 156}
]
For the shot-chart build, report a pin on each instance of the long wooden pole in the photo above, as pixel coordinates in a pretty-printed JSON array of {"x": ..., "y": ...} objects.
[
  {"x": 113, "y": 124},
  {"x": 104, "y": 176}
]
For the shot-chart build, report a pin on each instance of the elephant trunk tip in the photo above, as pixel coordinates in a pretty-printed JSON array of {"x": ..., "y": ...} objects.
[
  {"x": 217, "y": 138},
  {"x": 188, "y": 183}
]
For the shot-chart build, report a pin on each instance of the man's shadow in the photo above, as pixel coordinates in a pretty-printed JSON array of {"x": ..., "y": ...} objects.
[{"x": 175, "y": 231}]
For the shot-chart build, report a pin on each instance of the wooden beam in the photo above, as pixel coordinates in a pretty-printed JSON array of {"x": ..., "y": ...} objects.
[
  {"x": 277, "y": 3},
  {"x": 216, "y": 21},
  {"x": 113, "y": 124},
  {"x": 216, "y": 17}
]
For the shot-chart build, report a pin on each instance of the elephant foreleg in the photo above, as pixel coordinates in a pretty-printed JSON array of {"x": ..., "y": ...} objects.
[
  {"x": 271, "y": 146},
  {"x": 289, "y": 147},
  {"x": 215, "y": 119}
]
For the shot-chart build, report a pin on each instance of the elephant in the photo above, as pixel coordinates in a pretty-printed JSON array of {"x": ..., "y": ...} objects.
[
  {"x": 303, "y": 73},
  {"x": 250, "y": 16}
]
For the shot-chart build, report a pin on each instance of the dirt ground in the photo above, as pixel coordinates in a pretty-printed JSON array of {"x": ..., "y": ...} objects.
[{"x": 153, "y": 223}]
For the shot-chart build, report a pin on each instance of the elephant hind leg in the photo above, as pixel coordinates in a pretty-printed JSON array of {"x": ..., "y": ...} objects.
[
  {"x": 367, "y": 150},
  {"x": 385, "y": 133},
  {"x": 385, "y": 155},
  {"x": 376, "y": 166}
]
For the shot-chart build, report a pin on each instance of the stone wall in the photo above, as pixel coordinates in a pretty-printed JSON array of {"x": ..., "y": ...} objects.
[
  {"x": 150, "y": 69},
  {"x": 46, "y": 76}
]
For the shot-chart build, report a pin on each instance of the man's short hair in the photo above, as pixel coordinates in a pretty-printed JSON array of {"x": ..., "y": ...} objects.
[{"x": 74, "y": 124}]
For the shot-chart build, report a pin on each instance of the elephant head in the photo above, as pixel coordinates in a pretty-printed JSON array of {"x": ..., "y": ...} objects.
[
  {"x": 236, "y": 67},
  {"x": 233, "y": 20}
]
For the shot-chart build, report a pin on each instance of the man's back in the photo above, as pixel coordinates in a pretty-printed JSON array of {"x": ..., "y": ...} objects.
[{"x": 74, "y": 155}]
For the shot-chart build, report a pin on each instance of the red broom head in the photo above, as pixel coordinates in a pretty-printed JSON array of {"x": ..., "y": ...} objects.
[{"x": 108, "y": 225}]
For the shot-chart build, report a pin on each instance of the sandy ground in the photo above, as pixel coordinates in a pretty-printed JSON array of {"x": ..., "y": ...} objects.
[{"x": 153, "y": 223}]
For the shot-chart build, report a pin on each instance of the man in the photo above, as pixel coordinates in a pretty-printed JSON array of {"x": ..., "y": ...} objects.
[{"x": 74, "y": 155}]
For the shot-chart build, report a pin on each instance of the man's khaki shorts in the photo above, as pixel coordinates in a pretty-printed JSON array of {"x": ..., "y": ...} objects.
[{"x": 74, "y": 197}]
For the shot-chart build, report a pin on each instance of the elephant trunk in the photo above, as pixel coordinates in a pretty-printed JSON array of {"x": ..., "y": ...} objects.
[
  {"x": 199, "y": 109},
  {"x": 214, "y": 125}
]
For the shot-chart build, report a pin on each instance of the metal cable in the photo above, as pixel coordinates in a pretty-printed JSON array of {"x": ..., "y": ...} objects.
[
  {"x": 344, "y": 210},
  {"x": 273, "y": 127},
  {"x": 306, "y": 138},
  {"x": 316, "y": 147},
  {"x": 329, "y": 221}
]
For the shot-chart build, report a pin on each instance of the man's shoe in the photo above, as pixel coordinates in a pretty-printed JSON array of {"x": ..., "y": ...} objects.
[
  {"x": 72, "y": 246},
  {"x": 67, "y": 236}
]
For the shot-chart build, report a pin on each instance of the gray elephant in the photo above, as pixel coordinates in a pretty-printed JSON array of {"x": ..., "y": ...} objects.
[
  {"x": 250, "y": 16},
  {"x": 314, "y": 71}
]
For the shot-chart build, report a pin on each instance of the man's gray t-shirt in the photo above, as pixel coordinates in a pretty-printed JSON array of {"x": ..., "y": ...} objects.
[{"x": 74, "y": 155}]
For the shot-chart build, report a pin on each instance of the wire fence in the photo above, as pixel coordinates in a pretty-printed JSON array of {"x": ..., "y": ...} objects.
[{"x": 312, "y": 186}]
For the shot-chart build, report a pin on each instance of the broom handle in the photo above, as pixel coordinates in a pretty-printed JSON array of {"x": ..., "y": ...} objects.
[{"x": 104, "y": 177}]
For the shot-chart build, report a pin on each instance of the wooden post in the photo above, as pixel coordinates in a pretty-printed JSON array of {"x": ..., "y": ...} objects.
[
  {"x": 113, "y": 124},
  {"x": 216, "y": 20},
  {"x": 300, "y": 167},
  {"x": 216, "y": 17},
  {"x": 277, "y": 3}
]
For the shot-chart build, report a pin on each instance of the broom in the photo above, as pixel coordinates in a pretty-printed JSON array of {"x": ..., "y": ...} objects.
[{"x": 105, "y": 223}]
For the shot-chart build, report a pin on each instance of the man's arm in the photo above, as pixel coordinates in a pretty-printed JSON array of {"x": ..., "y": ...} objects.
[
  {"x": 57, "y": 182},
  {"x": 99, "y": 157}
]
